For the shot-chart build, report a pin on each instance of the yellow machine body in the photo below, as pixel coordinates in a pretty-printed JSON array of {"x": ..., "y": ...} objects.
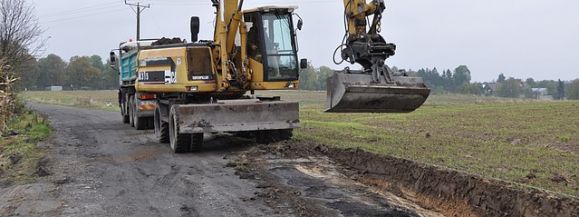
[{"x": 222, "y": 67}]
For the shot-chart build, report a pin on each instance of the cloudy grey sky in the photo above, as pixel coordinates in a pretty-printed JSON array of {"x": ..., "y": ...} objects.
[{"x": 520, "y": 38}]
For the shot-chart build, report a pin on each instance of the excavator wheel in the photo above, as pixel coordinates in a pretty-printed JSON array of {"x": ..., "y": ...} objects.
[
  {"x": 180, "y": 143},
  {"x": 141, "y": 123},
  {"x": 286, "y": 134},
  {"x": 245, "y": 135},
  {"x": 266, "y": 136},
  {"x": 161, "y": 128},
  {"x": 196, "y": 142}
]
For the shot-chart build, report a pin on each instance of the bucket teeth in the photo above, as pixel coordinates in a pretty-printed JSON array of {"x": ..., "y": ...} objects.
[{"x": 352, "y": 93}]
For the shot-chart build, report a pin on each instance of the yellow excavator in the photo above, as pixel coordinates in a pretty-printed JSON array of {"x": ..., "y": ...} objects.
[{"x": 201, "y": 86}]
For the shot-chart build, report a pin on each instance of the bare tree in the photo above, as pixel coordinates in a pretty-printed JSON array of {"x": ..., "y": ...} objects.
[
  {"x": 20, "y": 39},
  {"x": 20, "y": 32}
]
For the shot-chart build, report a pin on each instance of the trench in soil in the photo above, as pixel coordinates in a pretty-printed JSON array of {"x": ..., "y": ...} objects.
[{"x": 352, "y": 182}]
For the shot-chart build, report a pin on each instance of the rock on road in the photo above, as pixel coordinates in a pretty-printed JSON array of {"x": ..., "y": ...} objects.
[{"x": 101, "y": 167}]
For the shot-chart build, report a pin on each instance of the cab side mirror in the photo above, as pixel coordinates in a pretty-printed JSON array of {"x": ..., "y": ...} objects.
[
  {"x": 300, "y": 23},
  {"x": 113, "y": 59},
  {"x": 194, "y": 29},
  {"x": 303, "y": 63}
]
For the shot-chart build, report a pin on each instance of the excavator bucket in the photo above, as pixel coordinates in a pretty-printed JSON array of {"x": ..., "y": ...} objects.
[{"x": 352, "y": 93}]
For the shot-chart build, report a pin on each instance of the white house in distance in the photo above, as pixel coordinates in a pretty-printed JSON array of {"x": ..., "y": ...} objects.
[
  {"x": 541, "y": 93},
  {"x": 54, "y": 88}
]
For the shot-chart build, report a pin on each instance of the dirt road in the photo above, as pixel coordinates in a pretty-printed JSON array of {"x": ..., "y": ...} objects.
[{"x": 100, "y": 167}]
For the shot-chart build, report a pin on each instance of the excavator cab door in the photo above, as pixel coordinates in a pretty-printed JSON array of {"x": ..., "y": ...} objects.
[{"x": 271, "y": 42}]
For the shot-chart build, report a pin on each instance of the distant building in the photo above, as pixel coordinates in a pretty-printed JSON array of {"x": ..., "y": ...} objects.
[
  {"x": 490, "y": 88},
  {"x": 541, "y": 93},
  {"x": 54, "y": 88}
]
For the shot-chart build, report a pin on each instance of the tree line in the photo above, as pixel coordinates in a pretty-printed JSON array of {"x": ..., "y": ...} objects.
[
  {"x": 459, "y": 81},
  {"x": 91, "y": 73},
  {"x": 79, "y": 73}
]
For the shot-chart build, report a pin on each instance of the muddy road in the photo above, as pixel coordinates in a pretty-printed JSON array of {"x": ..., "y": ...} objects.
[{"x": 98, "y": 166}]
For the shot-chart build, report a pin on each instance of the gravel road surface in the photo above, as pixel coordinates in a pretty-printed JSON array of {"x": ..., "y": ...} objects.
[
  {"x": 98, "y": 166},
  {"x": 101, "y": 167}
]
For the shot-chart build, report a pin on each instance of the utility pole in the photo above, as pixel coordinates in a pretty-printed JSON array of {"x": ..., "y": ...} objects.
[{"x": 138, "y": 9}]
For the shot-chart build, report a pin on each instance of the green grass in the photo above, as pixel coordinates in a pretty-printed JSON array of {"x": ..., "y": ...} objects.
[
  {"x": 30, "y": 129},
  {"x": 104, "y": 100},
  {"x": 494, "y": 137}
]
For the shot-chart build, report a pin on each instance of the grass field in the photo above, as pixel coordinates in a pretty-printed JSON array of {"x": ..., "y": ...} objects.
[
  {"x": 534, "y": 143},
  {"x": 104, "y": 100}
]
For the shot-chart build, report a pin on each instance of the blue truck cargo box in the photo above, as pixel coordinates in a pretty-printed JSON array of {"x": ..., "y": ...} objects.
[{"x": 128, "y": 69}]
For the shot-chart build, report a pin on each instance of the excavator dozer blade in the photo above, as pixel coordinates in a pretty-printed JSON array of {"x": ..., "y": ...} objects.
[
  {"x": 238, "y": 116},
  {"x": 355, "y": 93}
]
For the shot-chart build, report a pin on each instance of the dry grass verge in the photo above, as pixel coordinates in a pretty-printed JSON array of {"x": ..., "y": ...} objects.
[{"x": 20, "y": 158}]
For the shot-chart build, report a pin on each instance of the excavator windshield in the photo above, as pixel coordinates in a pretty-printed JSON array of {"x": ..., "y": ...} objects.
[{"x": 271, "y": 40}]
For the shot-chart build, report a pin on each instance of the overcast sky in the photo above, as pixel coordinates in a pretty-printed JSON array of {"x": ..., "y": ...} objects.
[{"x": 520, "y": 38}]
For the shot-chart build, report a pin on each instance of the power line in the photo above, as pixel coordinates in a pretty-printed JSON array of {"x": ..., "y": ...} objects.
[
  {"x": 138, "y": 9},
  {"x": 105, "y": 7},
  {"x": 77, "y": 10},
  {"x": 93, "y": 13}
]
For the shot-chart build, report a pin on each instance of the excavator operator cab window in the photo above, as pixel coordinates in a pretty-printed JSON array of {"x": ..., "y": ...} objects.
[{"x": 271, "y": 42}]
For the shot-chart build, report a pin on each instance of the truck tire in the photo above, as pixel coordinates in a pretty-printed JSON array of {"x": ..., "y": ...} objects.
[
  {"x": 161, "y": 128},
  {"x": 131, "y": 112},
  {"x": 126, "y": 119},
  {"x": 197, "y": 142},
  {"x": 180, "y": 143},
  {"x": 124, "y": 113}
]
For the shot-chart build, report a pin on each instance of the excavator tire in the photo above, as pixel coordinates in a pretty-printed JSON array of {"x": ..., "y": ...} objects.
[
  {"x": 286, "y": 134},
  {"x": 161, "y": 128},
  {"x": 196, "y": 142},
  {"x": 267, "y": 136},
  {"x": 180, "y": 143},
  {"x": 141, "y": 123}
]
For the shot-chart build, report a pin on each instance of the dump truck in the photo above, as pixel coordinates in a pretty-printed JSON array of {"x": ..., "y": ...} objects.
[{"x": 137, "y": 108}]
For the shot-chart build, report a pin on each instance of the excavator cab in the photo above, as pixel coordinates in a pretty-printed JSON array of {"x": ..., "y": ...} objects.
[{"x": 271, "y": 43}]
